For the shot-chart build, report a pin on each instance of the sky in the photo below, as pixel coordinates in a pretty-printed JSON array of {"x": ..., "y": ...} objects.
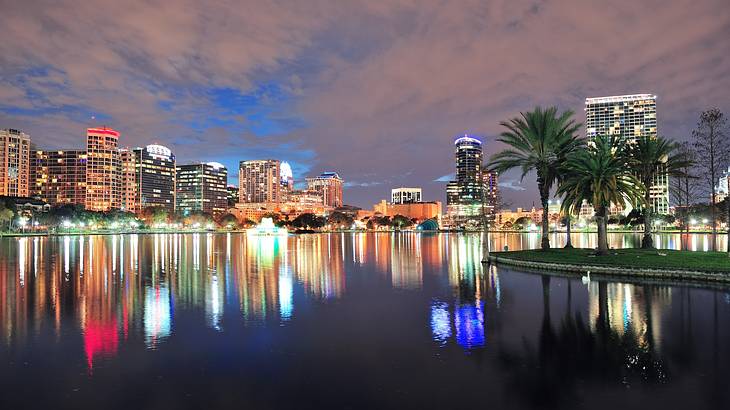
[{"x": 374, "y": 90}]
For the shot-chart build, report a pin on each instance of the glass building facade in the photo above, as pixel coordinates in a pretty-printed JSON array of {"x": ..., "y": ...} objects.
[
  {"x": 202, "y": 187},
  {"x": 464, "y": 194},
  {"x": 630, "y": 117},
  {"x": 155, "y": 177}
]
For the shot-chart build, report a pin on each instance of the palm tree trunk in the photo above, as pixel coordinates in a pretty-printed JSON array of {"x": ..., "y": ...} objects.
[
  {"x": 647, "y": 242},
  {"x": 485, "y": 230},
  {"x": 568, "y": 242},
  {"x": 602, "y": 232},
  {"x": 544, "y": 193},
  {"x": 713, "y": 216},
  {"x": 728, "y": 226}
]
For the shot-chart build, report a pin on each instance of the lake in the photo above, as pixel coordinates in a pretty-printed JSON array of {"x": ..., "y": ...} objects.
[{"x": 370, "y": 320}]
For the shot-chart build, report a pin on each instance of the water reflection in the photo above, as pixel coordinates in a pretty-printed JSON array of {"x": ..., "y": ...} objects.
[
  {"x": 547, "y": 335},
  {"x": 676, "y": 241}
]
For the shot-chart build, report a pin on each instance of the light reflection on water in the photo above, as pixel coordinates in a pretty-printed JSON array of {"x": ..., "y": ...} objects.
[{"x": 105, "y": 295}]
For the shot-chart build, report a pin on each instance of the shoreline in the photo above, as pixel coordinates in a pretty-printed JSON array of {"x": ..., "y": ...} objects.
[
  {"x": 662, "y": 273},
  {"x": 143, "y": 232}
]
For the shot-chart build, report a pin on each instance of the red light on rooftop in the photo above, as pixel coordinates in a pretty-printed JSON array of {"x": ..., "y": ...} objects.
[{"x": 103, "y": 131}]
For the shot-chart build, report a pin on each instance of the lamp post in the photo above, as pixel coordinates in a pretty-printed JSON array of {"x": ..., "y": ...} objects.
[
  {"x": 485, "y": 226},
  {"x": 23, "y": 221}
]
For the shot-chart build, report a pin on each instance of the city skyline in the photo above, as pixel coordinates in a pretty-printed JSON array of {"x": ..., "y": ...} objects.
[{"x": 313, "y": 85}]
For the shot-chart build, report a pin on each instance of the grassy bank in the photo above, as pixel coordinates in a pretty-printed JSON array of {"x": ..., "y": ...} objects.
[{"x": 628, "y": 258}]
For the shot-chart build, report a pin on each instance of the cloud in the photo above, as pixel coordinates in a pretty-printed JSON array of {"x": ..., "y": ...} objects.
[
  {"x": 446, "y": 178},
  {"x": 511, "y": 185},
  {"x": 363, "y": 88},
  {"x": 351, "y": 184}
]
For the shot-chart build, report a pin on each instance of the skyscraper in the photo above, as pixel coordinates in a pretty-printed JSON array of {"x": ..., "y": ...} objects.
[
  {"x": 14, "y": 163},
  {"x": 464, "y": 194},
  {"x": 232, "y": 195},
  {"x": 259, "y": 181},
  {"x": 155, "y": 177},
  {"x": 630, "y": 117},
  {"x": 102, "y": 169},
  {"x": 330, "y": 185},
  {"x": 491, "y": 192},
  {"x": 59, "y": 177},
  {"x": 287, "y": 181},
  {"x": 202, "y": 187},
  {"x": 129, "y": 195}
]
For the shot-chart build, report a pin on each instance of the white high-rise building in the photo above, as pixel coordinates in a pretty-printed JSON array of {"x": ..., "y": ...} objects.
[
  {"x": 14, "y": 163},
  {"x": 405, "y": 195},
  {"x": 630, "y": 117}
]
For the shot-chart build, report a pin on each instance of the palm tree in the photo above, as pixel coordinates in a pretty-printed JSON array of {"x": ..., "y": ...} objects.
[
  {"x": 654, "y": 157},
  {"x": 600, "y": 174},
  {"x": 538, "y": 141}
]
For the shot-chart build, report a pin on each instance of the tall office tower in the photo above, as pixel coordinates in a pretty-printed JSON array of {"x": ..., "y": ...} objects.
[
  {"x": 722, "y": 188},
  {"x": 202, "y": 187},
  {"x": 14, "y": 163},
  {"x": 154, "y": 177},
  {"x": 232, "y": 195},
  {"x": 287, "y": 181},
  {"x": 330, "y": 185},
  {"x": 259, "y": 181},
  {"x": 630, "y": 117},
  {"x": 464, "y": 194},
  {"x": 405, "y": 195},
  {"x": 492, "y": 197},
  {"x": 59, "y": 177},
  {"x": 102, "y": 169},
  {"x": 129, "y": 196}
]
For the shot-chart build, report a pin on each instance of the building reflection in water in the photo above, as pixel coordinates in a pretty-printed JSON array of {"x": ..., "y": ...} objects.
[
  {"x": 124, "y": 288},
  {"x": 406, "y": 261},
  {"x": 470, "y": 289},
  {"x": 629, "y": 309}
]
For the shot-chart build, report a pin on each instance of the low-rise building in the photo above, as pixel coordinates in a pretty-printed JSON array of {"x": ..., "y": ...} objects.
[{"x": 417, "y": 210}]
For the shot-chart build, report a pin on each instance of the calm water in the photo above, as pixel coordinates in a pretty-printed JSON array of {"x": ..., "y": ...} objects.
[{"x": 344, "y": 321}]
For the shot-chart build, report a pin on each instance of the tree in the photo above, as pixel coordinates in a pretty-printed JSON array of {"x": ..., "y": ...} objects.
[
  {"x": 308, "y": 221},
  {"x": 6, "y": 215},
  {"x": 683, "y": 187},
  {"x": 199, "y": 218},
  {"x": 377, "y": 221},
  {"x": 155, "y": 215},
  {"x": 712, "y": 147},
  {"x": 633, "y": 219},
  {"x": 652, "y": 158},
  {"x": 601, "y": 175},
  {"x": 400, "y": 222},
  {"x": 567, "y": 219},
  {"x": 523, "y": 222},
  {"x": 338, "y": 219},
  {"x": 247, "y": 223},
  {"x": 539, "y": 141},
  {"x": 228, "y": 220}
]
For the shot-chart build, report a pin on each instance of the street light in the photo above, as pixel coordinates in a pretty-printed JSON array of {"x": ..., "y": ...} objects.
[{"x": 22, "y": 221}]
